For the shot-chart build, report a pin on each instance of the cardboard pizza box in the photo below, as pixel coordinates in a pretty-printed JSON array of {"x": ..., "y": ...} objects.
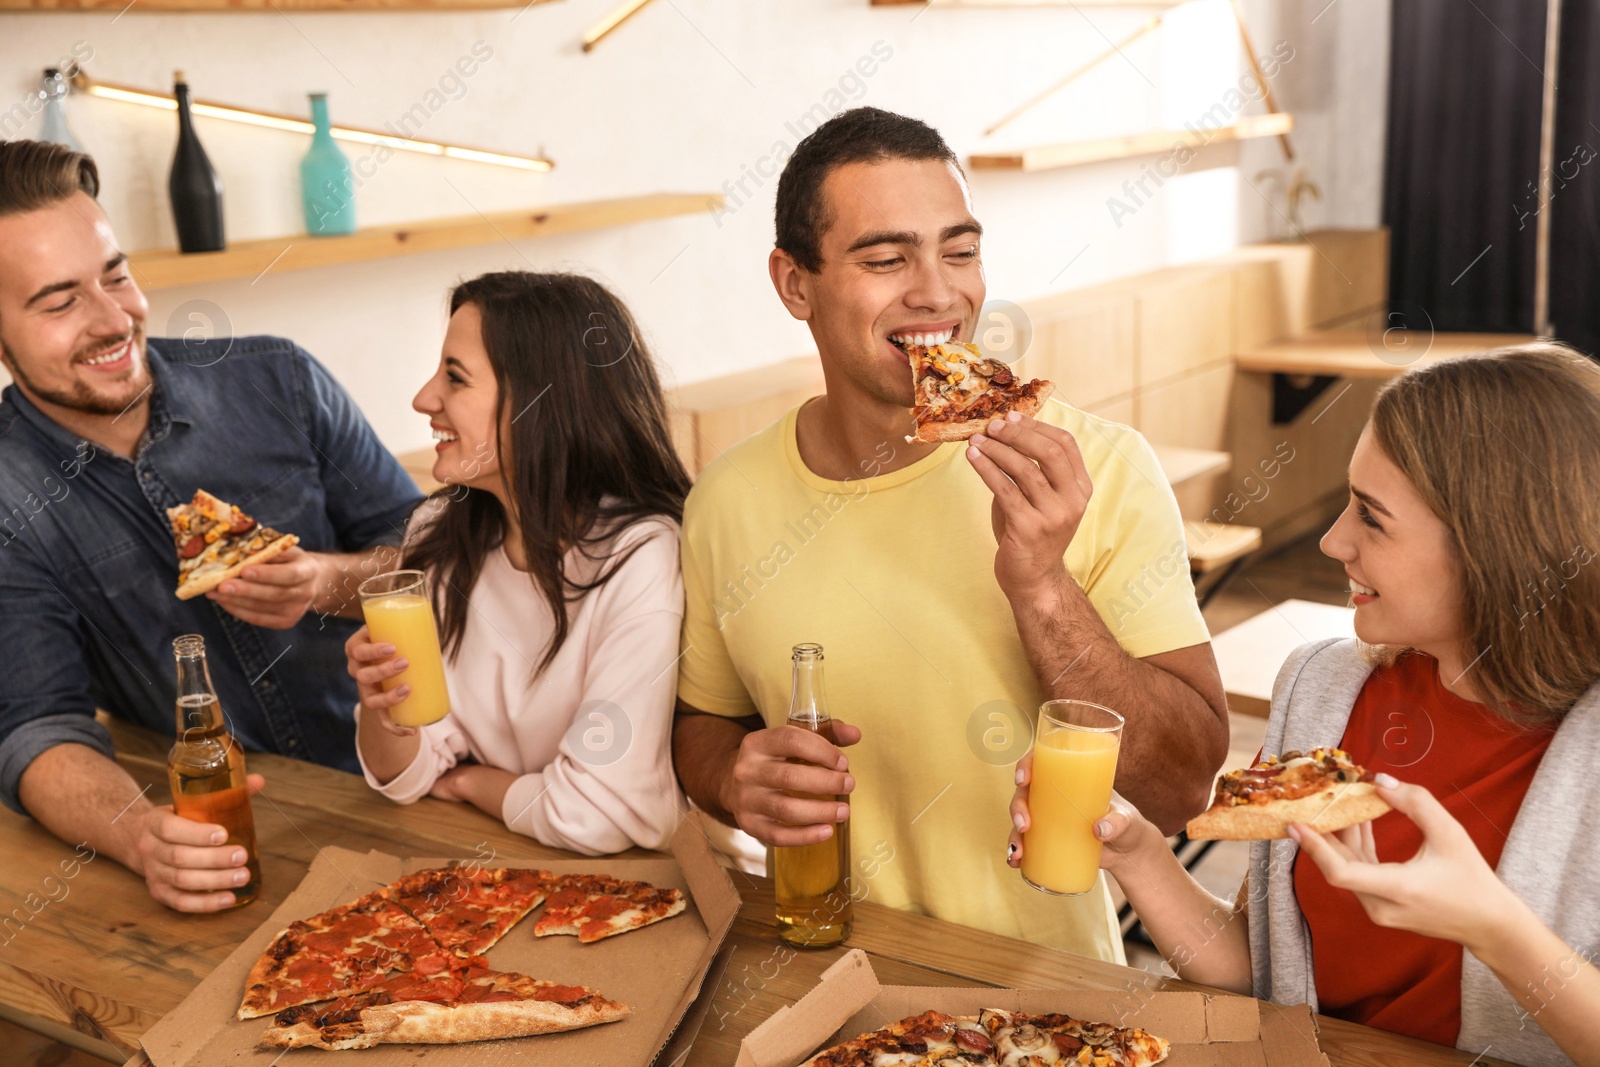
[
  {"x": 657, "y": 970},
  {"x": 1204, "y": 1028}
]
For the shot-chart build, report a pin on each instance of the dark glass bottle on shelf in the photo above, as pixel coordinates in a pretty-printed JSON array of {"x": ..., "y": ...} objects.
[{"x": 195, "y": 189}]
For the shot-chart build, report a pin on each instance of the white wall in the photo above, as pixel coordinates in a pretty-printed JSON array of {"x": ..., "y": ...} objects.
[{"x": 695, "y": 95}]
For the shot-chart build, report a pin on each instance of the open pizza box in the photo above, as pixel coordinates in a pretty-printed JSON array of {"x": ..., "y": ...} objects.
[
  {"x": 657, "y": 971},
  {"x": 1204, "y": 1029}
]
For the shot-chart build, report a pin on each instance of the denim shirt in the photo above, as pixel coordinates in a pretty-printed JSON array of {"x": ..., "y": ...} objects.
[{"x": 88, "y": 568}]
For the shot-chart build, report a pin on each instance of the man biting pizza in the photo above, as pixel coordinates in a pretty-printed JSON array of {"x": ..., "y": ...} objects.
[
  {"x": 949, "y": 582},
  {"x": 101, "y": 431}
]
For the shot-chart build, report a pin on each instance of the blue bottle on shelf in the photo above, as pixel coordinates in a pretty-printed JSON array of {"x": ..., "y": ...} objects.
[{"x": 327, "y": 186}]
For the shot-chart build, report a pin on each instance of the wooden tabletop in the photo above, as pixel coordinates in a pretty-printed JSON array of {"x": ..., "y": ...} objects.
[
  {"x": 102, "y": 959},
  {"x": 1364, "y": 354}
]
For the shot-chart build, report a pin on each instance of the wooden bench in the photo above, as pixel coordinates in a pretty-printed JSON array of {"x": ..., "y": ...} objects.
[{"x": 1250, "y": 654}]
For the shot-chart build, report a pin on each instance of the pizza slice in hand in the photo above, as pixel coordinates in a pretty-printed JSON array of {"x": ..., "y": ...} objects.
[
  {"x": 957, "y": 390},
  {"x": 595, "y": 906},
  {"x": 1322, "y": 789},
  {"x": 215, "y": 541}
]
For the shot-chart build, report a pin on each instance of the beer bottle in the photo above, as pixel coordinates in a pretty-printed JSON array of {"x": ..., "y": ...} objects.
[
  {"x": 812, "y": 882},
  {"x": 205, "y": 766}
]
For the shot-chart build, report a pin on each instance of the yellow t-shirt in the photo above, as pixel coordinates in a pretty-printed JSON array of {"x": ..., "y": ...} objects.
[{"x": 893, "y": 574}]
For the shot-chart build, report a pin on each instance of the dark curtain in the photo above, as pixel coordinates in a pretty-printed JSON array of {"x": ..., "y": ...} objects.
[
  {"x": 1575, "y": 205},
  {"x": 1465, "y": 95}
]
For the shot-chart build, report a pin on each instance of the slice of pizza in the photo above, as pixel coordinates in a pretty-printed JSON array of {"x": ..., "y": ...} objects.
[
  {"x": 995, "y": 1038},
  {"x": 340, "y": 952},
  {"x": 957, "y": 390},
  {"x": 467, "y": 1003},
  {"x": 1022, "y": 1039},
  {"x": 596, "y": 906},
  {"x": 1320, "y": 788},
  {"x": 467, "y": 909},
  {"x": 930, "y": 1038},
  {"x": 215, "y": 541}
]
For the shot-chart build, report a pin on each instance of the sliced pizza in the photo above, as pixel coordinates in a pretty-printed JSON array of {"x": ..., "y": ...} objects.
[
  {"x": 215, "y": 541},
  {"x": 467, "y": 909},
  {"x": 1321, "y": 788},
  {"x": 995, "y": 1038},
  {"x": 469, "y": 1003},
  {"x": 342, "y": 951},
  {"x": 957, "y": 390},
  {"x": 596, "y": 906}
]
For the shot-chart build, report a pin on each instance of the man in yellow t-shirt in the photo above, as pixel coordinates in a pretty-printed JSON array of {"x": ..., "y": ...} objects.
[{"x": 952, "y": 587}]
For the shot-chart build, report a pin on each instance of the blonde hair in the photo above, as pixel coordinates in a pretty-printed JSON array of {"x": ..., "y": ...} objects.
[{"x": 1504, "y": 447}]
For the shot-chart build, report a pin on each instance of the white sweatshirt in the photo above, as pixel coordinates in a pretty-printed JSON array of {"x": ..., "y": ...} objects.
[{"x": 590, "y": 737}]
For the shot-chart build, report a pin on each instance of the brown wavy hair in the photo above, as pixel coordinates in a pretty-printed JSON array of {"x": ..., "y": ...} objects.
[
  {"x": 36, "y": 174},
  {"x": 1504, "y": 447},
  {"x": 584, "y": 442}
]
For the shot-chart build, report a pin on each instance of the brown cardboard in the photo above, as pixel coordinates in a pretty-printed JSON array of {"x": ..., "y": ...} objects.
[
  {"x": 1204, "y": 1028},
  {"x": 657, "y": 971}
]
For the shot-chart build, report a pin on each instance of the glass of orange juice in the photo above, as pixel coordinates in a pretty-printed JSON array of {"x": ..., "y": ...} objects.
[
  {"x": 1074, "y": 763},
  {"x": 399, "y": 612}
]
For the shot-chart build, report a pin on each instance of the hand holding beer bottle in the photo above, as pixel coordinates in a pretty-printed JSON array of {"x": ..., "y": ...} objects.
[
  {"x": 812, "y": 882},
  {"x": 209, "y": 787}
]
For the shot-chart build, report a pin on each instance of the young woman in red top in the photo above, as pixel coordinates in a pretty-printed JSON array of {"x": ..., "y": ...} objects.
[{"x": 1474, "y": 503}]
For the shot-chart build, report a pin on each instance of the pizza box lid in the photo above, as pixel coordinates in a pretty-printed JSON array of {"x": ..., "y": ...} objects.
[
  {"x": 658, "y": 971},
  {"x": 1204, "y": 1028}
]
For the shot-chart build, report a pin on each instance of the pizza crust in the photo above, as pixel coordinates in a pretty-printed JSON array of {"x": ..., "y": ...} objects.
[
  {"x": 938, "y": 432},
  {"x": 1332, "y": 809},
  {"x": 192, "y": 589},
  {"x": 425, "y": 1023}
]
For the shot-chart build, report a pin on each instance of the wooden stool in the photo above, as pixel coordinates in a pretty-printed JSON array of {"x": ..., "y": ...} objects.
[{"x": 1219, "y": 549}]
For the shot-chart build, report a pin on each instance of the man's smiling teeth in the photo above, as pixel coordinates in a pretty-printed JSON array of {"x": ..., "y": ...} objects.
[
  {"x": 445, "y": 435},
  {"x": 1357, "y": 587},
  {"x": 110, "y": 357},
  {"x": 922, "y": 338}
]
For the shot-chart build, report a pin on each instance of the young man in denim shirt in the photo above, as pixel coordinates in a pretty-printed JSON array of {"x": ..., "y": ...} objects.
[{"x": 100, "y": 432}]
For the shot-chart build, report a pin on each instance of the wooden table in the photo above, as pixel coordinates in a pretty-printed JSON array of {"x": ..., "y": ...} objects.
[
  {"x": 1250, "y": 654},
  {"x": 105, "y": 962}
]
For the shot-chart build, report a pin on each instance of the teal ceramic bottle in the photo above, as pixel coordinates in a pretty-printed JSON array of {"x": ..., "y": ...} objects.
[{"x": 327, "y": 187}]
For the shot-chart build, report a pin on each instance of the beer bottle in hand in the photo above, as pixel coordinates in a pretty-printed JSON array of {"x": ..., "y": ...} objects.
[
  {"x": 812, "y": 882},
  {"x": 205, "y": 766}
]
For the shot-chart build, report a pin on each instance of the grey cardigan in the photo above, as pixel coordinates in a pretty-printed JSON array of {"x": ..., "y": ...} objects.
[{"x": 1551, "y": 858}]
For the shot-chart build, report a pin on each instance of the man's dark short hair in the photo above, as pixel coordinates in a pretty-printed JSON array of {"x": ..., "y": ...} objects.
[
  {"x": 36, "y": 174},
  {"x": 860, "y": 135}
]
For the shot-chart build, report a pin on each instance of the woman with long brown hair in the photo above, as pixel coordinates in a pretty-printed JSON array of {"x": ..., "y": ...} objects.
[
  {"x": 1468, "y": 915},
  {"x": 552, "y": 557}
]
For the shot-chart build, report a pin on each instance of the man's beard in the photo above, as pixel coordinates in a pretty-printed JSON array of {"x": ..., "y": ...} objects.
[{"x": 83, "y": 397}]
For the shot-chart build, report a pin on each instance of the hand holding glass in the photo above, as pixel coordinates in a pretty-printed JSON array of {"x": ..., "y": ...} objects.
[
  {"x": 1074, "y": 764},
  {"x": 399, "y": 612}
]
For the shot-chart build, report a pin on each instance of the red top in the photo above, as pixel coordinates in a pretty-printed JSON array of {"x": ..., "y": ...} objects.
[{"x": 1479, "y": 767}]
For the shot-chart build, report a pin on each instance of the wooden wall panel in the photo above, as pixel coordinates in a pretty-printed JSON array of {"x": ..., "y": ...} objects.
[
  {"x": 1087, "y": 349},
  {"x": 1185, "y": 321}
]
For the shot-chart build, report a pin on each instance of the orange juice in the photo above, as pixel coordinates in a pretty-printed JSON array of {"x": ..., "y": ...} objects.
[
  {"x": 1071, "y": 789},
  {"x": 405, "y": 620}
]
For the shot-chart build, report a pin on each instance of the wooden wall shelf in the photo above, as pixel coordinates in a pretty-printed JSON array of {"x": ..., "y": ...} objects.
[
  {"x": 1077, "y": 153},
  {"x": 262, "y": 5},
  {"x": 249, "y": 259}
]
